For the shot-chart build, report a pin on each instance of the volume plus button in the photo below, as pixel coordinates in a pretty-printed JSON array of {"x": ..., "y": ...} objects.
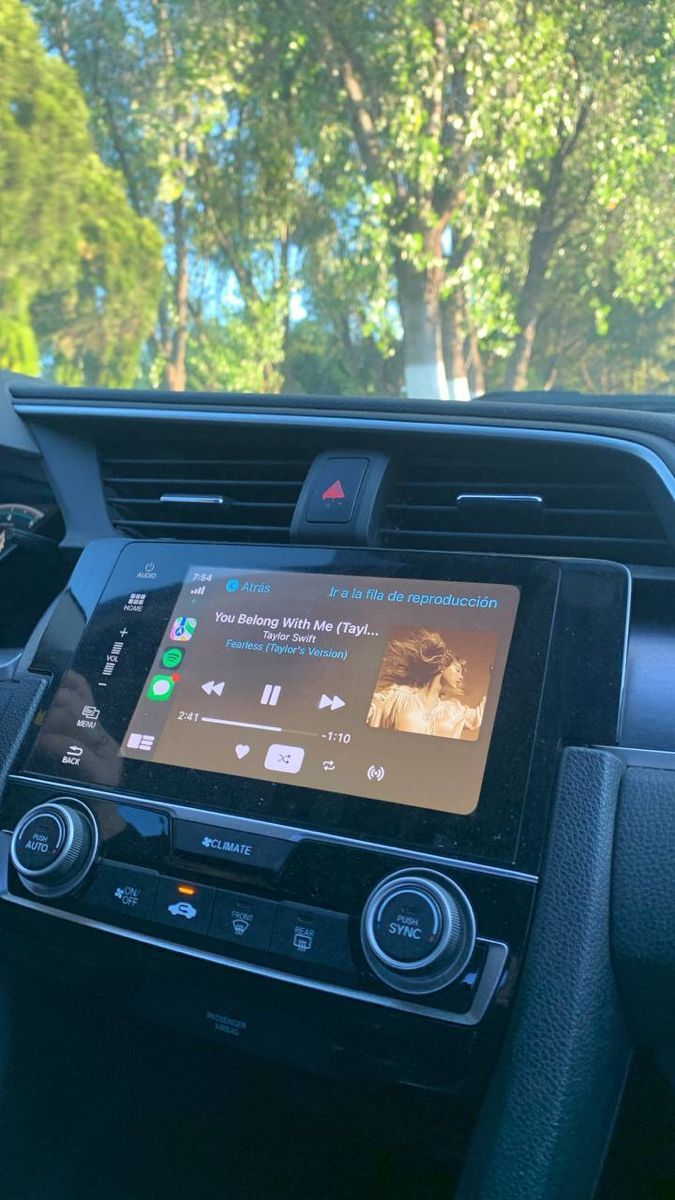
[{"x": 54, "y": 846}]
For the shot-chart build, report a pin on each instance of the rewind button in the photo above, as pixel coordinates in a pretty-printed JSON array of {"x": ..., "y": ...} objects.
[{"x": 212, "y": 688}]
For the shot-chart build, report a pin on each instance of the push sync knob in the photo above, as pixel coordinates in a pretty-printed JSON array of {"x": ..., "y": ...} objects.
[
  {"x": 418, "y": 931},
  {"x": 53, "y": 847}
]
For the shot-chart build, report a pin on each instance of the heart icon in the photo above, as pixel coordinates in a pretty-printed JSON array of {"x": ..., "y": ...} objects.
[{"x": 241, "y": 751}]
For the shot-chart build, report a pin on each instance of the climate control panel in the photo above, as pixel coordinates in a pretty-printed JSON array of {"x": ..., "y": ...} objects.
[{"x": 378, "y": 924}]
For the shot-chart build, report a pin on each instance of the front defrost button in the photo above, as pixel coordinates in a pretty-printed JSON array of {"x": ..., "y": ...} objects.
[{"x": 242, "y": 920}]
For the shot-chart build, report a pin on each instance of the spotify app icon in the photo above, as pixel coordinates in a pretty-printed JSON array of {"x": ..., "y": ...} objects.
[{"x": 172, "y": 658}]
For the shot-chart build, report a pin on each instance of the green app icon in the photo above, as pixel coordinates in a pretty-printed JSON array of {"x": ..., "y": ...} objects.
[
  {"x": 161, "y": 687},
  {"x": 172, "y": 658}
]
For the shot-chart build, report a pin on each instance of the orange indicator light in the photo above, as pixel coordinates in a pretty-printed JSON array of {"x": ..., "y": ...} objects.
[{"x": 185, "y": 890}]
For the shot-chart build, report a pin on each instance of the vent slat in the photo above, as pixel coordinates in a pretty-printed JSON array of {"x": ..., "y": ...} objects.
[
  {"x": 583, "y": 499},
  {"x": 258, "y": 496},
  {"x": 164, "y": 505},
  {"x": 586, "y": 510},
  {"x": 454, "y": 510},
  {"x": 194, "y": 461},
  {"x": 174, "y": 481},
  {"x": 546, "y": 539},
  {"x": 194, "y": 526}
]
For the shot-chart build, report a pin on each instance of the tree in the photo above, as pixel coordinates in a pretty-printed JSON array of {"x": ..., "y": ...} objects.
[
  {"x": 606, "y": 319},
  {"x": 136, "y": 63},
  {"x": 194, "y": 103},
  {"x": 610, "y": 133},
  {"x": 426, "y": 189},
  {"x": 426, "y": 99},
  {"x": 78, "y": 271},
  {"x": 607, "y": 154}
]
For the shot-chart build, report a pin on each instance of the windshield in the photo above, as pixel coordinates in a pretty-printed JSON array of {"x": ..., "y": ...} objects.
[{"x": 419, "y": 200}]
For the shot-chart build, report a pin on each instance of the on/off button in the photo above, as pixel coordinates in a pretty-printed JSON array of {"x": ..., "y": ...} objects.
[{"x": 122, "y": 891}]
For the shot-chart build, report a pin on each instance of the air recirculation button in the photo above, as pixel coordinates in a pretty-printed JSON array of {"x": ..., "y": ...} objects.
[{"x": 418, "y": 931}]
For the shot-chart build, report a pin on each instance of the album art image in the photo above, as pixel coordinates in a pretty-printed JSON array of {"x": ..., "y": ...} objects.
[{"x": 434, "y": 681}]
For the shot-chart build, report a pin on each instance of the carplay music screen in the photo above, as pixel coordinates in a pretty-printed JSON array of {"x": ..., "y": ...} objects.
[{"x": 366, "y": 686}]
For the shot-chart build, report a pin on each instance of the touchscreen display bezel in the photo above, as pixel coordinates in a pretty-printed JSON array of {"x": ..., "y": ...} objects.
[{"x": 491, "y": 831}]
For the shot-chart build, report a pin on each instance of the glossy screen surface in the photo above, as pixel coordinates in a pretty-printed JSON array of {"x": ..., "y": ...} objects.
[{"x": 347, "y": 684}]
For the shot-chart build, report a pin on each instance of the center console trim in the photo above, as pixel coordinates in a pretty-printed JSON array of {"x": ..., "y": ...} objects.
[
  {"x": 497, "y": 955},
  {"x": 289, "y": 833}
]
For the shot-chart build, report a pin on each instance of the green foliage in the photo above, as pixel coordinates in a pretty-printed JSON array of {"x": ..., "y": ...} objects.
[
  {"x": 93, "y": 332},
  {"x": 326, "y": 178},
  {"x": 597, "y": 214},
  {"x": 78, "y": 270},
  {"x": 18, "y": 345},
  {"x": 230, "y": 356}
]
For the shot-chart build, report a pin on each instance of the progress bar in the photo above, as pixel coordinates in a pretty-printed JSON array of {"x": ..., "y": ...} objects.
[{"x": 242, "y": 724}]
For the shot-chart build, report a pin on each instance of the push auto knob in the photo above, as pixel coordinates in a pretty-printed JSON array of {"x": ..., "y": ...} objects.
[{"x": 54, "y": 846}]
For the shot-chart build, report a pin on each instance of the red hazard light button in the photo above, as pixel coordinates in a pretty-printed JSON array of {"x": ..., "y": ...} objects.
[{"x": 335, "y": 490}]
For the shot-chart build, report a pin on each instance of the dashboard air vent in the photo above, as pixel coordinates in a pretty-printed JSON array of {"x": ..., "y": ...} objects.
[
  {"x": 585, "y": 508},
  {"x": 204, "y": 498}
]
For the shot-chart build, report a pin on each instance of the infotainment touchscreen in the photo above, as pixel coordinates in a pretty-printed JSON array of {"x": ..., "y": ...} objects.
[
  {"x": 412, "y": 699},
  {"x": 358, "y": 685}
]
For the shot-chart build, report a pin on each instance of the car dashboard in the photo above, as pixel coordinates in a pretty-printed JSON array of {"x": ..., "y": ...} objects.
[{"x": 338, "y": 736}]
